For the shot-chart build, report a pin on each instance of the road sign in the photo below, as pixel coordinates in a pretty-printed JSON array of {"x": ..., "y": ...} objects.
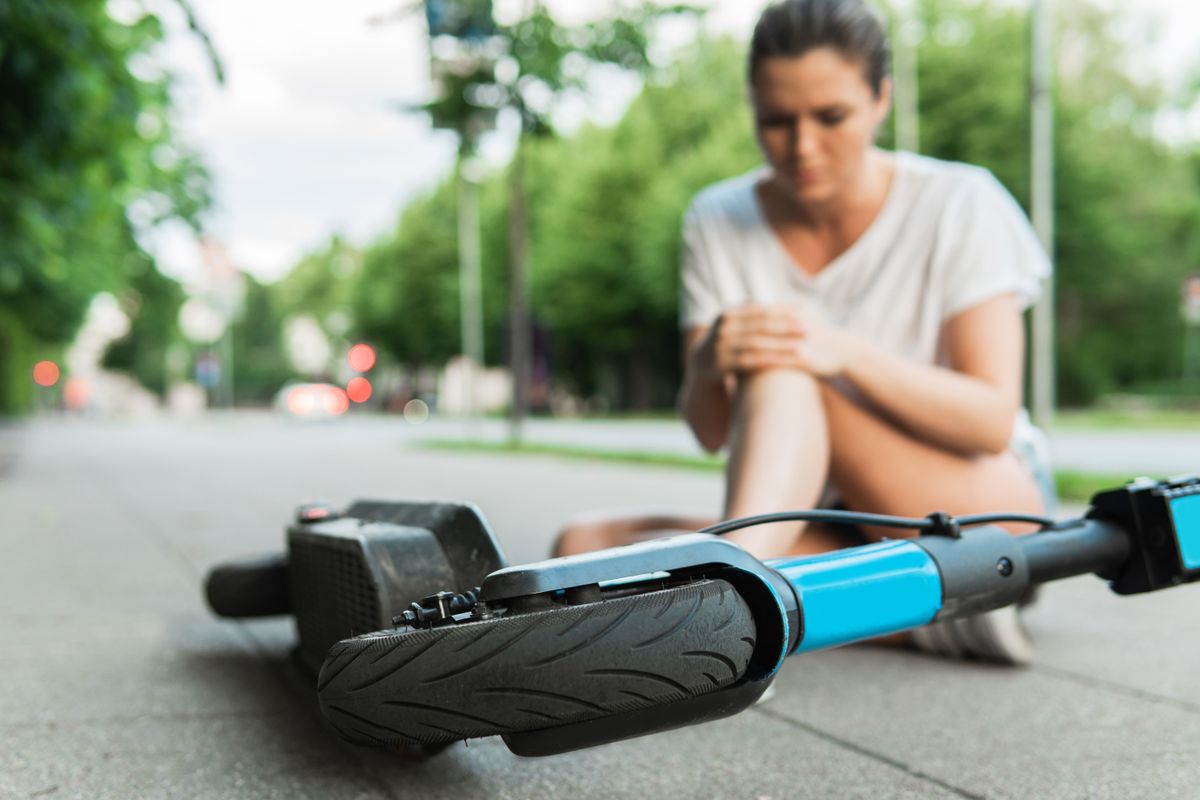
[
  {"x": 462, "y": 19},
  {"x": 208, "y": 371}
]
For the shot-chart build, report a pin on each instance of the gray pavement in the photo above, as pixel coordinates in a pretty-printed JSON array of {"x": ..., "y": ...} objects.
[{"x": 118, "y": 683}]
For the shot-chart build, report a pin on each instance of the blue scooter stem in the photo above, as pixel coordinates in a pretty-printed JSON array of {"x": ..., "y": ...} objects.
[
  {"x": 863, "y": 592},
  {"x": 897, "y": 585}
]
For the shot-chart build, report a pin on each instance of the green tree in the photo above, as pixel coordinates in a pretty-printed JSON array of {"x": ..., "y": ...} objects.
[
  {"x": 260, "y": 365},
  {"x": 85, "y": 145},
  {"x": 151, "y": 300},
  {"x": 407, "y": 297},
  {"x": 543, "y": 60},
  {"x": 404, "y": 296},
  {"x": 605, "y": 208},
  {"x": 605, "y": 254},
  {"x": 1126, "y": 210},
  {"x": 321, "y": 285}
]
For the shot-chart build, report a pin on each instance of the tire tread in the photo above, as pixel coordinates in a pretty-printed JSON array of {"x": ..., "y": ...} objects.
[{"x": 525, "y": 671}]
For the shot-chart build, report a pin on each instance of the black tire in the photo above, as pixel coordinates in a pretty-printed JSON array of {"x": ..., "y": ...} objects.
[
  {"x": 252, "y": 587},
  {"x": 538, "y": 669}
]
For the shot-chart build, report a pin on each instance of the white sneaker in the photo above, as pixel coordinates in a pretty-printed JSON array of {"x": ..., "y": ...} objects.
[
  {"x": 768, "y": 694},
  {"x": 997, "y": 636}
]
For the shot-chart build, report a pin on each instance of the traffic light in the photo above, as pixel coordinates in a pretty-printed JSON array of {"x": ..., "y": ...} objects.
[
  {"x": 45, "y": 373},
  {"x": 361, "y": 358}
]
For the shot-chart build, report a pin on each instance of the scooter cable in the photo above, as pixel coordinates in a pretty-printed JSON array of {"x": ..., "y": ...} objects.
[{"x": 938, "y": 522}]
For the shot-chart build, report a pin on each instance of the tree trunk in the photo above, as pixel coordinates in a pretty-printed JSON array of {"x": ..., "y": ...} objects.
[{"x": 641, "y": 377}]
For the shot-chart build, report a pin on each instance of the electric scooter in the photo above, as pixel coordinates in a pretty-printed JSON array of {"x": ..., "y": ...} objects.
[{"x": 579, "y": 651}]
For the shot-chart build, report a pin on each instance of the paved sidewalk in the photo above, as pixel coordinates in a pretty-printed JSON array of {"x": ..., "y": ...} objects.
[{"x": 119, "y": 684}]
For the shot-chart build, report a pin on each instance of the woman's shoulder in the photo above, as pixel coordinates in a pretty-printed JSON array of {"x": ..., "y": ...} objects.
[
  {"x": 730, "y": 199},
  {"x": 944, "y": 181}
]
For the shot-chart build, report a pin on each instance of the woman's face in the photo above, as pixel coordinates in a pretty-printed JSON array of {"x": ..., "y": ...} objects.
[{"x": 816, "y": 117}]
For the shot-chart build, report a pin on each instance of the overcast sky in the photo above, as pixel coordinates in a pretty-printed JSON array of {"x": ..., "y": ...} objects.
[{"x": 307, "y": 137}]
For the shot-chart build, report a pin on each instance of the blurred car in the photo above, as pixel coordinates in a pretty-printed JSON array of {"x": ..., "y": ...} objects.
[{"x": 312, "y": 400}]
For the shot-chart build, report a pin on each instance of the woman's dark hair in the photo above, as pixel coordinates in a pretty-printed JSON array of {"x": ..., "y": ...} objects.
[{"x": 791, "y": 28}]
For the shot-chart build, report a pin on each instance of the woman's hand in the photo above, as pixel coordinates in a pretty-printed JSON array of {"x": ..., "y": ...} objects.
[
  {"x": 823, "y": 349},
  {"x": 751, "y": 338}
]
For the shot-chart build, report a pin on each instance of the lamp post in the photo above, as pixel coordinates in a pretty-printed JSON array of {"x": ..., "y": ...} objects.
[
  {"x": 461, "y": 46},
  {"x": 470, "y": 278},
  {"x": 905, "y": 36},
  {"x": 1042, "y": 205}
]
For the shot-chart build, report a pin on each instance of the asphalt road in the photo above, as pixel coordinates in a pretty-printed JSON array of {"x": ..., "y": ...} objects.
[{"x": 119, "y": 683}]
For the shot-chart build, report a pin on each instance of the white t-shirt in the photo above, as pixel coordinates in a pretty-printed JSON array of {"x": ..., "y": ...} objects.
[{"x": 949, "y": 236}]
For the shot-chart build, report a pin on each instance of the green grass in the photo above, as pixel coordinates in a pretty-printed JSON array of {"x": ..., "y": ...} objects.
[
  {"x": 700, "y": 462},
  {"x": 1078, "y": 487},
  {"x": 1073, "y": 486},
  {"x": 1129, "y": 415},
  {"x": 1129, "y": 419}
]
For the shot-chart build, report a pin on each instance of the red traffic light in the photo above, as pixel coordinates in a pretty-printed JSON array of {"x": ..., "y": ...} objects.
[
  {"x": 359, "y": 390},
  {"x": 45, "y": 373},
  {"x": 361, "y": 357}
]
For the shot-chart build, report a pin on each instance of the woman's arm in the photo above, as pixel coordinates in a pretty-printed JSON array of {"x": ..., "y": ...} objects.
[
  {"x": 720, "y": 342},
  {"x": 704, "y": 399},
  {"x": 969, "y": 407},
  {"x": 742, "y": 339}
]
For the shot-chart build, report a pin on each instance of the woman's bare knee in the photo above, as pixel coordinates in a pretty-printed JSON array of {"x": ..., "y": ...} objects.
[
  {"x": 777, "y": 387},
  {"x": 779, "y": 448}
]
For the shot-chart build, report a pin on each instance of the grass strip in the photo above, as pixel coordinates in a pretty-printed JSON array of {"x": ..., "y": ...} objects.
[
  {"x": 1073, "y": 486},
  {"x": 1078, "y": 487},
  {"x": 1163, "y": 419},
  {"x": 697, "y": 462}
]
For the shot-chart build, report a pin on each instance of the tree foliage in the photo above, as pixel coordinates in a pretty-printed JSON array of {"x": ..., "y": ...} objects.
[
  {"x": 529, "y": 64},
  {"x": 151, "y": 300},
  {"x": 260, "y": 365},
  {"x": 321, "y": 285},
  {"x": 1126, "y": 206},
  {"x": 407, "y": 298},
  {"x": 85, "y": 144},
  {"x": 606, "y": 242}
]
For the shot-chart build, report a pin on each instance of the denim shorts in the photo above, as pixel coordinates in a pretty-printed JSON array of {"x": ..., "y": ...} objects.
[{"x": 1032, "y": 448}]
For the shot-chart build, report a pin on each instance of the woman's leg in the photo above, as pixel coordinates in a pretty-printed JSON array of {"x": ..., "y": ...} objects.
[
  {"x": 599, "y": 531},
  {"x": 779, "y": 456},
  {"x": 791, "y": 433},
  {"x": 880, "y": 468},
  {"x": 779, "y": 450}
]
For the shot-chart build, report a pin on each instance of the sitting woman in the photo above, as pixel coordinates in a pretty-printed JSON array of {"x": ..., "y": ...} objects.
[{"x": 852, "y": 317}]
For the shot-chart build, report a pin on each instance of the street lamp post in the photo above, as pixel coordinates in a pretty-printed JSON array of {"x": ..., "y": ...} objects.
[
  {"x": 1042, "y": 204},
  {"x": 468, "y": 24},
  {"x": 906, "y": 117},
  {"x": 470, "y": 278}
]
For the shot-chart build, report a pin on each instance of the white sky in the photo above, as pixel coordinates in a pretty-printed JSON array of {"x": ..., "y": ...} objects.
[{"x": 307, "y": 139}]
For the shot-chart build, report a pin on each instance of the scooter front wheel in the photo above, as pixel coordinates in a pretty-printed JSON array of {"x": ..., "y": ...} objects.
[{"x": 537, "y": 669}]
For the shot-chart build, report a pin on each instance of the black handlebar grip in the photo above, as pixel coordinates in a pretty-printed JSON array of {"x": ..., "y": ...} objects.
[{"x": 252, "y": 587}]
